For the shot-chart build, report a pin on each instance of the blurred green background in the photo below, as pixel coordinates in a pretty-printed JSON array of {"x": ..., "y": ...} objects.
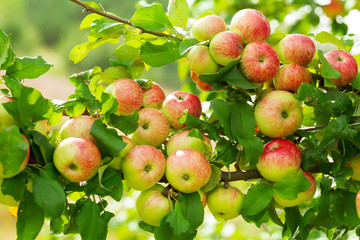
[{"x": 50, "y": 28}]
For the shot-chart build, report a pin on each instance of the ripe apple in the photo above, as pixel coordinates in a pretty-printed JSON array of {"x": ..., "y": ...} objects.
[
  {"x": 344, "y": 63},
  {"x": 116, "y": 162},
  {"x": 278, "y": 114},
  {"x": 226, "y": 47},
  {"x": 301, "y": 197},
  {"x": 354, "y": 163},
  {"x": 202, "y": 85},
  {"x": 182, "y": 140},
  {"x": 143, "y": 166},
  {"x": 176, "y": 103},
  {"x": 291, "y": 76},
  {"x": 357, "y": 203},
  {"x": 199, "y": 60},
  {"x": 153, "y": 127},
  {"x": 79, "y": 126},
  {"x": 225, "y": 202},
  {"x": 187, "y": 170},
  {"x": 206, "y": 27},
  {"x": 154, "y": 96},
  {"x": 5, "y": 118},
  {"x": 280, "y": 158},
  {"x": 259, "y": 62},
  {"x": 333, "y": 9},
  {"x": 77, "y": 159},
  {"x": 128, "y": 93},
  {"x": 251, "y": 25},
  {"x": 296, "y": 48},
  {"x": 151, "y": 205}
]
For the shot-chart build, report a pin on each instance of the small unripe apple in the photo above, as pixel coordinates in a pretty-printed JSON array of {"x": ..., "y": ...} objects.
[
  {"x": 291, "y": 76},
  {"x": 226, "y": 47},
  {"x": 205, "y": 28},
  {"x": 79, "y": 126},
  {"x": 199, "y": 60}
]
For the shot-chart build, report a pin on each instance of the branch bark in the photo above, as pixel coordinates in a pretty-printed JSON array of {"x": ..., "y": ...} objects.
[{"x": 122, "y": 20}]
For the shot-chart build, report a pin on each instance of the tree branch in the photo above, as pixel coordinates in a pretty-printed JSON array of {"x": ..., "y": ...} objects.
[
  {"x": 122, "y": 20},
  {"x": 239, "y": 175}
]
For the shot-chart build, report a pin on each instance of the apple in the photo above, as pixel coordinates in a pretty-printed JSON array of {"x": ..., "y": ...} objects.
[
  {"x": 302, "y": 197},
  {"x": 77, "y": 159},
  {"x": 279, "y": 158},
  {"x": 202, "y": 85},
  {"x": 116, "y": 162},
  {"x": 187, "y": 170},
  {"x": 259, "y": 62},
  {"x": 225, "y": 202},
  {"x": 354, "y": 163},
  {"x": 79, "y": 126},
  {"x": 344, "y": 63},
  {"x": 357, "y": 203},
  {"x": 291, "y": 76},
  {"x": 205, "y": 28},
  {"x": 244, "y": 163},
  {"x": 296, "y": 48},
  {"x": 334, "y": 8},
  {"x": 182, "y": 140},
  {"x": 176, "y": 103},
  {"x": 143, "y": 166},
  {"x": 199, "y": 60},
  {"x": 153, "y": 97},
  {"x": 128, "y": 94},
  {"x": 153, "y": 127},
  {"x": 203, "y": 197},
  {"x": 43, "y": 127},
  {"x": 226, "y": 47},
  {"x": 151, "y": 205},
  {"x": 5, "y": 118},
  {"x": 278, "y": 114},
  {"x": 251, "y": 25}
]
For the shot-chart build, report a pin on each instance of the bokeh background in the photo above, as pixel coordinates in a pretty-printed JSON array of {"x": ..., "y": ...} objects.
[{"x": 50, "y": 28}]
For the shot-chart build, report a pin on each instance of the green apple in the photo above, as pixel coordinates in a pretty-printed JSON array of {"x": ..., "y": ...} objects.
[
  {"x": 43, "y": 127},
  {"x": 151, "y": 205},
  {"x": 5, "y": 118},
  {"x": 205, "y": 28},
  {"x": 116, "y": 162},
  {"x": 200, "y": 61},
  {"x": 143, "y": 166},
  {"x": 79, "y": 126},
  {"x": 354, "y": 163},
  {"x": 225, "y": 202}
]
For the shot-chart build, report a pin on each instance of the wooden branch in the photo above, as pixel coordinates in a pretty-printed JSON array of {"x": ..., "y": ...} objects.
[{"x": 122, "y": 20}]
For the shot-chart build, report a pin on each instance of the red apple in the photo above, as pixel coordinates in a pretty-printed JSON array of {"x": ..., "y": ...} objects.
[
  {"x": 79, "y": 126},
  {"x": 199, "y": 60},
  {"x": 259, "y": 62},
  {"x": 116, "y": 162},
  {"x": 296, "y": 48},
  {"x": 206, "y": 27},
  {"x": 280, "y": 158},
  {"x": 187, "y": 170},
  {"x": 354, "y": 163},
  {"x": 143, "y": 166},
  {"x": 226, "y": 47},
  {"x": 291, "y": 76},
  {"x": 154, "y": 96},
  {"x": 202, "y": 85},
  {"x": 225, "y": 202},
  {"x": 5, "y": 118},
  {"x": 182, "y": 140},
  {"x": 152, "y": 205},
  {"x": 176, "y": 103},
  {"x": 278, "y": 114},
  {"x": 344, "y": 63},
  {"x": 251, "y": 25},
  {"x": 128, "y": 93},
  {"x": 333, "y": 9},
  {"x": 77, "y": 159},
  {"x": 153, "y": 127},
  {"x": 302, "y": 197}
]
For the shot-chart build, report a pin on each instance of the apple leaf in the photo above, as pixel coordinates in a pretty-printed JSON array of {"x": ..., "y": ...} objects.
[
  {"x": 253, "y": 149},
  {"x": 274, "y": 38},
  {"x": 226, "y": 152},
  {"x": 128, "y": 52},
  {"x": 258, "y": 219},
  {"x": 305, "y": 223},
  {"x": 237, "y": 78},
  {"x": 177, "y": 221},
  {"x": 356, "y": 82},
  {"x": 178, "y": 13},
  {"x": 291, "y": 185},
  {"x": 151, "y": 18},
  {"x": 192, "y": 209},
  {"x": 218, "y": 77},
  {"x": 46, "y": 149},
  {"x": 57, "y": 225},
  {"x": 257, "y": 199},
  {"x": 292, "y": 221},
  {"x": 73, "y": 108},
  {"x": 7, "y": 186},
  {"x": 242, "y": 121},
  {"x": 159, "y": 55},
  {"x": 186, "y": 44},
  {"x": 84, "y": 94},
  {"x": 327, "y": 70},
  {"x": 203, "y": 126},
  {"x": 28, "y": 67},
  {"x": 127, "y": 124},
  {"x": 146, "y": 227},
  {"x": 7, "y": 55},
  {"x": 214, "y": 179},
  {"x": 223, "y": 111},
  {"x": 48, "y": 193},
  {"x": 106, "y": 26},
  {"x": 109, "y": 105},
  {"x": 194, "y": 132},
  {"x": 30, "y": 218},
  {"x": 325, "y": 37}
]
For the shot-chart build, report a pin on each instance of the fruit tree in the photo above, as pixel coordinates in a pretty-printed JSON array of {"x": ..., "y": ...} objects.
[{"x": 276, "y": 110}]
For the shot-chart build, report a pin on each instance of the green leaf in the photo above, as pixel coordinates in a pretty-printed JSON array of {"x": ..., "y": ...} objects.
[
  {"x": 57, "y": 225},
  {"x": 84, "y": 94},
  {"x": 192, "y": 209},
  {"x": 49, "y": 194},
  {"x": 253, "y": 149},
  {"x": 7, "y": 186},
  {"x": 178, "y": 13},
  {"x": 226, "y": 152},
  {"x": 6, "y": 52},
  {"x": 107, "y": 139},
  {"x": 203, "y": 126},
  {"x": 214, "y": 179},
  {"x": 325, "y": 37},
  {"x": 128, "y": 52},
  {"x": 257, "y": 199},
  {"x": 30, "y": 218},
  {"x": 274, "y": 38},
  {"x": 327, "y": 70},
  {"x": 291, "y": 185},
  {"x": 242, "y": 121},
  {"x": 86, "y": 22},
  {"x": 127, "y": 124},
  {"x": 91, "y": 225},
  {"x": 238, "y": 79},
  {"x": 305, "y": 223},
  {"x": 292, "y": 219},
  {"x": 151, "y": 18},
  {"x": 109, "y": 105},
  {"x": 356, "y": 82},
  {"x": 186, "y": 44},
  {"x": 105, "y": 25},
  {"x": 46, "y": 148},
  {"x": 218, "y": 77},
  {"x": 223, "y": 111},
  {"x": 159, "y": 55},
  {"x": 177, "y": 221},
  {"x": 258, "y": 219},
  {"x": 146, "y": 227},
  {"x": 13, "y": 150},
  {"x": 28, "y": 67}
]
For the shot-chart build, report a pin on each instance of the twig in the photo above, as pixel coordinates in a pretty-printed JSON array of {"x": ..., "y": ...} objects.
[
  {"x": 122, "y": 20},
  {"x": 311, "y": 129}
]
